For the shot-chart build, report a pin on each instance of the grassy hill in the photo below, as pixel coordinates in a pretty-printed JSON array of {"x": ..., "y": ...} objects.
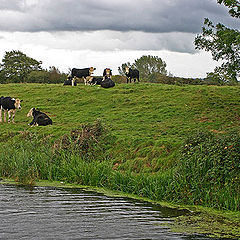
[{"x": 149, "y": 123}]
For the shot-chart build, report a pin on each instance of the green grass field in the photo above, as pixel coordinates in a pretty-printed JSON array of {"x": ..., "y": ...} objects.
[{"x": 149, "y": 122}]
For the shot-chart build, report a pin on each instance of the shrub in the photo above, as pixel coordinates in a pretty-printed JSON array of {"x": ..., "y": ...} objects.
[{"x": 208, "y": 171}]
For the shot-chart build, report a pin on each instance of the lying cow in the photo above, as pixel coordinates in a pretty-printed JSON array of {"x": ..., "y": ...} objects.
[
  {"x": 132, "y": 74},
  {"x": 96, "y": 81},
  {"x": 107, "y": 83},
  {"x": 107, "y": 73},
  {"x": 82, "y": 73},
  {"x": 10, "y": 105},
  {"x": 39, "y": 118},
  {"x": 69, "y": 82}
]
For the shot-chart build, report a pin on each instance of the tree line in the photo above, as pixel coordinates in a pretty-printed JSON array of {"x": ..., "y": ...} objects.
[{"x": 17, "y": 67}]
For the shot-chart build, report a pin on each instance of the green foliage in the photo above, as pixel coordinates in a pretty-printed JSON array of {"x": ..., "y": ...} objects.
[
  {"x": 233, "y": 5},
  {"x": 209, "y": 166},
  {"x": 17, "y": 65},
  {"x": 146, "y": 65},
  {"x": 224, "y": 44}
]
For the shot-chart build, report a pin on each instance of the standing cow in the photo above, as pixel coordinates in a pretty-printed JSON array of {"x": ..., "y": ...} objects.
[
  {"x": 132, "y": 74},
  {"x": 84, "y": 73},
  {"x": 107, "y": 73},
  {"x": 9, "y": 105}
]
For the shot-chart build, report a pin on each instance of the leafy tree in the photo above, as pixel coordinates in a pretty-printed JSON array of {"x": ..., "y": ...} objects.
[
  {"x": 16, "y": 66},
  {"x": 234, "y": 6},
  {"x": 224, "y": 44},
  {"x": 146, "y": 65}
]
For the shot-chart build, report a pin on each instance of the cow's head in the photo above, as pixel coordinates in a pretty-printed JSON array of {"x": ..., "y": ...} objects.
[
  {"x": 126, "y": 69},
  {"x": 30, "y": 113},
  {"x": 108, "y": 71},
  {"x": 91, "y": 70},
  {"x": 17, "y": 103}
]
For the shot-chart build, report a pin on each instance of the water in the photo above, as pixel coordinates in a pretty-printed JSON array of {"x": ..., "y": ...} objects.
[{"x": 50, "y": 213}]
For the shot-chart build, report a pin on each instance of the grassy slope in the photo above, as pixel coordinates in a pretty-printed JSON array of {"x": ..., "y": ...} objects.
[{"x": 152, "y": 120}]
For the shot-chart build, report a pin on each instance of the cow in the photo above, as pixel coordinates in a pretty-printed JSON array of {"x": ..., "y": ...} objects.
[
  {"x": 70, "y": 82},
  {"x": 107, "y": 83},
  {"x": 82, "y": 73},
  {"x": 107, "y": 73},
  {"x": 132, "y": 74},
  {"x": 10, "y": 105},
  {"x": 96, "y": 81},
  {"x": 39, "y": 118}
]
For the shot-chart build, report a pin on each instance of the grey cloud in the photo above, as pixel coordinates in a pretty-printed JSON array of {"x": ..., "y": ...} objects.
[{"x": 154, "y": 16}]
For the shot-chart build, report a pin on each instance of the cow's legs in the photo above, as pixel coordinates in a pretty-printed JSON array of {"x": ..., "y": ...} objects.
[
  {"x": 0, "y": 115},
  {"x": 9, "y": 116},
  {"x": 5, "y": 112},
  {"x": 13, "y": 116}
]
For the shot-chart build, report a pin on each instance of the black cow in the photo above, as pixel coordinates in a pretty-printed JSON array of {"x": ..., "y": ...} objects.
[
  {"x": 96, "y": 80},
  {"x": 39, "y": 118},
  {"x": 132, "y": 74},
  {"x": 10, "y": 105},
  {"x": 107, "y": 83},
  {"x": 107, "y": 73},
  {"x": 69, "y": 82},
  {"x": 82, "y": 73}
]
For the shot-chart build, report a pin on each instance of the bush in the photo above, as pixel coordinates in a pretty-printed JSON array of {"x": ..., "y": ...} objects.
[
  {"x": 90, "y": 142},
  {"x": 209, "y": 169}
]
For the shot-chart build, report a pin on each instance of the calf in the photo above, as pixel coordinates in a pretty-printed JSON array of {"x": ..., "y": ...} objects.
[
  {"x": 82, "y": 73},
  {"x": 10, "y": 105},
  {"x": 39, "y": 118},
  {"x": 107, "y": 73},
  {"x": 132, "y": 74}
]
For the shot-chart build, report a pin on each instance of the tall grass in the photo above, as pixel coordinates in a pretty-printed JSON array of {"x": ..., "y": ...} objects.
[{"x": 207, "y": 173}]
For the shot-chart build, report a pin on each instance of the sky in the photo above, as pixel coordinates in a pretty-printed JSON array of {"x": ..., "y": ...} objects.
[{"x": 106, "y": 33}]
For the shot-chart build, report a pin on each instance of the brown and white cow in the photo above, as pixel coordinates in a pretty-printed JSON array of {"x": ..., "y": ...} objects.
[{"x": 9, "y": 105}]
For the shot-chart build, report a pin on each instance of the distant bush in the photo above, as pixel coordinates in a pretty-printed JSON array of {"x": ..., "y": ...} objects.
[{"x": 209, "y": 170}]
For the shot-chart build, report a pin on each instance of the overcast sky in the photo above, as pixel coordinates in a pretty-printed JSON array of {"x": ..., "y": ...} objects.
[{"x": 107, "y": 33}]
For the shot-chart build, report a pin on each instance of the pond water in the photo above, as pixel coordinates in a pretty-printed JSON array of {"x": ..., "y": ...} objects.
[{"x": 55, "y": 213}]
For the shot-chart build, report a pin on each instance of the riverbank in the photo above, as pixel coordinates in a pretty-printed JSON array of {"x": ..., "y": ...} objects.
[
  {"x": 196, "y": 219},
  {"x": 176, "y": 144}
]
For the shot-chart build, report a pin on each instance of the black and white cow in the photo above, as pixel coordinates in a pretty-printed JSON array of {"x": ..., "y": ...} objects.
[
  {"x": 9, "y": 105},
  {"x": 70, "y": 82},
  {"x": 96, "y": 81},
  {"x": 132, "y": 74},
  {"x": 107, "y": 73},
  {"x": 82, "y": 73},
  {"x": 39, "y": 118}
]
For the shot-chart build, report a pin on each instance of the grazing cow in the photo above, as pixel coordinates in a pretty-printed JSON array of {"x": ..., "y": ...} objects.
[
  {"x": 10, "y": 105},
  {"x": 39, "y": 118},
  {"x": 82, "y": 73},
  {"x": 132, "y": 74},
  {"x": 107, "y": 83},
  {"x": 107, "y": 73}
]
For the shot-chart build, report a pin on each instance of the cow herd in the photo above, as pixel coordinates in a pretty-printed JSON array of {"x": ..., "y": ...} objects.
[
  {"x": 10, "y": 105},
  {"x": 105, "y": 81}
]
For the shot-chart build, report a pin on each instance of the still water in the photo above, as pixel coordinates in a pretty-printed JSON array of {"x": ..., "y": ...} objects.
[{"x": 53, "y": 213}]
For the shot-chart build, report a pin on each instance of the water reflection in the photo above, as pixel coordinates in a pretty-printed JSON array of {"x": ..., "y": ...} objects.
[{"x": 49, "y": 213}]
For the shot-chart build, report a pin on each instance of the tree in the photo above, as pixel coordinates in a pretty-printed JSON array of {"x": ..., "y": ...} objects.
[
  {"x": 16, "y": 66},
  {"x": 233, "y": 5},
  {"x": 146, "y": 65},
  {"x": 224, "y": 44}
]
